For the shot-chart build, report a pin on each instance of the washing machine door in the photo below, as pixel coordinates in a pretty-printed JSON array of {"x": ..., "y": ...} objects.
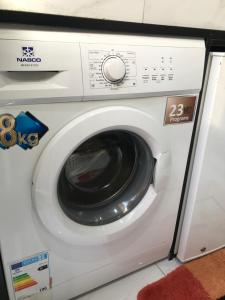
[
  {"x": 104, "y": 174},
  {"x": 105, "y": 177}
]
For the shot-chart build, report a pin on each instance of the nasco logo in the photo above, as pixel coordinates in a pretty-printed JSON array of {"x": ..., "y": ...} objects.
[
  {"x": 28, "y": 55},
  {"x": 24, "y": 130}
]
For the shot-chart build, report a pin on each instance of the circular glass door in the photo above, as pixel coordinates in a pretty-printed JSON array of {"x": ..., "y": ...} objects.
[{"x": 105, "y": 177}]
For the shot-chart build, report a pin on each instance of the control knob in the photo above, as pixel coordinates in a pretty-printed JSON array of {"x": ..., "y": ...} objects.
[{"x": 113, "y": 69}]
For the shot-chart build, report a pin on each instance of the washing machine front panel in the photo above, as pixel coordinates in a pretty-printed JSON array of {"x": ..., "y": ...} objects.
[{"x": 83, "y": 256}]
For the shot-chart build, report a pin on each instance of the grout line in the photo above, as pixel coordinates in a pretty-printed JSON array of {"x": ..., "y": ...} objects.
[
  {"x": 161, "y": 269},
  {"x": 143, "y": 13}
]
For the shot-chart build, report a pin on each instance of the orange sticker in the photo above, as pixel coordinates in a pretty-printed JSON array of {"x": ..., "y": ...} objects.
[{"x": 179, "y": 109}]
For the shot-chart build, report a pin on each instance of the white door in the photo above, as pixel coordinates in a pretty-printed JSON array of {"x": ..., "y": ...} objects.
[
  {"x": 204, "y": 224},
  {"x": 105, "y": 174}
]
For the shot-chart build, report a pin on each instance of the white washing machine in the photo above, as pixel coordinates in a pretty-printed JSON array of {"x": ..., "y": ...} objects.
[{"x": 95, "y": 133}]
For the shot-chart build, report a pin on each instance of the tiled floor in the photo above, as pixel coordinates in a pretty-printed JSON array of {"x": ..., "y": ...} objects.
[{"x": 128, "y": 287}]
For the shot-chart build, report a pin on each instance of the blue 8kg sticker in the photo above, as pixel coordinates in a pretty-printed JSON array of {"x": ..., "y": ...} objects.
[{"x": 25, "y": 130}]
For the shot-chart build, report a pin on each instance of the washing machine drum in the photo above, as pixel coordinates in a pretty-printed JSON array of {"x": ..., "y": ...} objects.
[{"x": 105, "y": 177}]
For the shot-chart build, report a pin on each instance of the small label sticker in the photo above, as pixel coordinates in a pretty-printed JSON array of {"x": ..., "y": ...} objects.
[
  {"x": 179, "y": 109},
  {"x": 30, "y": 275}
]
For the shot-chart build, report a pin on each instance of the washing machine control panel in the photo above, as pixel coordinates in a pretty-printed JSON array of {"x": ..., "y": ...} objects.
[
  {"x": 111, "y": 69},
  {"x": 124, "y": 70},
  {"x": 104, "y": 65},
  {"x": 54, "y": 67}
]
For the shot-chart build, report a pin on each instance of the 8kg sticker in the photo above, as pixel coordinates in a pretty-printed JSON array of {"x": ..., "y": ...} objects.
[
  {"x": 179, "y": 109},
  {"x": 25, "y": 130}
]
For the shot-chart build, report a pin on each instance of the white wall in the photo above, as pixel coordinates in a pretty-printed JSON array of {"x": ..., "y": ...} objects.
[{"x": 189, "y": 13}]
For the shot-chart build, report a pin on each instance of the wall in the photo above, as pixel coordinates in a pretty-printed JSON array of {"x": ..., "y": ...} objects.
[{"x": 190, "y": 13}]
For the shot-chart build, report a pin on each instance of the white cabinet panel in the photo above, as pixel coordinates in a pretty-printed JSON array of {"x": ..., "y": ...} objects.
[{"x": 204, "y": 223}]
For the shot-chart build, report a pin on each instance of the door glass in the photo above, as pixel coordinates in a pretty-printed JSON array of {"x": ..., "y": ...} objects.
[{"x": 105, "y": 177}]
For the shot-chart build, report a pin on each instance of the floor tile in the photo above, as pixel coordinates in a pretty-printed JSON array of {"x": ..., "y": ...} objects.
[
  {"x": 127, "y": 287},
  {"x": 167, "y": 266}
]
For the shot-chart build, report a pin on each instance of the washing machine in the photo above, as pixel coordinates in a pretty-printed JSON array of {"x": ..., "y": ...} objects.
[{"x": 95, "y": 131}]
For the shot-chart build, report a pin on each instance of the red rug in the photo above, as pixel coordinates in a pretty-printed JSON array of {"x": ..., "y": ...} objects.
[
  {"x": 200, "y": 279},
  {"x": 178, "y": 285}
]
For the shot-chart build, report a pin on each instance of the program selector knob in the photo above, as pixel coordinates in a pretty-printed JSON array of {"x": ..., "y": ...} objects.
[{"x": 113, "y": 69}]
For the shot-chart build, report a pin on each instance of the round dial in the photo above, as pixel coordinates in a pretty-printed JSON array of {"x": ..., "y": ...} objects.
[{"x": 113, "y": 69}]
